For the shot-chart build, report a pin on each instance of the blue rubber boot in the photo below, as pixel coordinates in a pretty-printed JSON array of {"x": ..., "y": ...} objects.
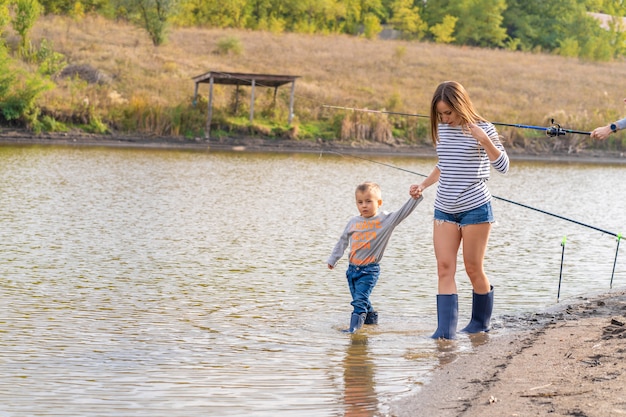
[
  {"x": 447, "y": 316},
  {"x": 482, "y": 307},
  {"x": 356, "y": 322},
  {"x": 371, "y": 318}
]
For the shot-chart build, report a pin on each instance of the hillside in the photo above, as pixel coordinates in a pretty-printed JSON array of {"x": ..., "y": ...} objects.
[{"x": 507, "y": 87}]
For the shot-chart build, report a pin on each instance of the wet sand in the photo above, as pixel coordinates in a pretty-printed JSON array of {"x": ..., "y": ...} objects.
[{"x": 569, "y": 361}]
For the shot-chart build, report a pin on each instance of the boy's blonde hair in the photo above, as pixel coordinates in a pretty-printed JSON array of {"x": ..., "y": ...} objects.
[
  {"x": 454, "y": 95},
  {"x": 369, "y": 186}
]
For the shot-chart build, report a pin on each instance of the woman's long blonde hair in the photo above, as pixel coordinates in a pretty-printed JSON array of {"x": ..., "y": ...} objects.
[{"x": 454, "y": 95}]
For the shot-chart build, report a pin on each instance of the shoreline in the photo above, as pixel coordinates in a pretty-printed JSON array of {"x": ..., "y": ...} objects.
[
  {"x": 21, "y": 137},
  {"x": 566, "y": 361}
]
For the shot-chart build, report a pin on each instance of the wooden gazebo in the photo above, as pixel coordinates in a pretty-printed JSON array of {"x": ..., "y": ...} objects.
[{"x": 239, "y": 79}]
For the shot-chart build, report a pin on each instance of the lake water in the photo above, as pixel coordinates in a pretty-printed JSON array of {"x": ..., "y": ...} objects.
[{"x": 178, "y": 283}]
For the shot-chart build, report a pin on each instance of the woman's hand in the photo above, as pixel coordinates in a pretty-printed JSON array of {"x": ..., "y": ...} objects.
[
  {"x": 478, "y": 133},
  {"x": 416, "y": 190}
]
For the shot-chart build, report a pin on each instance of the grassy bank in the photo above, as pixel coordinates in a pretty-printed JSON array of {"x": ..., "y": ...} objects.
[{"x": 147, "y": 89}]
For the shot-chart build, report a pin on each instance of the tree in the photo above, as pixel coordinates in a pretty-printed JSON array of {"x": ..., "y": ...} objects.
[
  {"x": 406, "y": 18},
  {"x": 540, "y": 24},
  {"x": 617, "y": 28},
  {"x": 19, "y": 91},
  {"x": 356, "y": 12},
  {"x": 66, "y": 6},
  {"x": 371, "y": 26},
  {"x": 152, "y": 15},
  {"x": 216, "y": 13},
  {"x": 5, "y": 17},
  {"x": 443, "y": 32},
  {"x": 314, "y": 15},
  {"x": 26, "y": 13},
  {"x": 480, "y": 22}
]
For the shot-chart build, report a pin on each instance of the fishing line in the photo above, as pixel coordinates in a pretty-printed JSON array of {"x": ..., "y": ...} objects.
[
  {"x": 617, "y": 235},
  {"x": 553, "y": 130},
  {"x": 558, "y": 293}
]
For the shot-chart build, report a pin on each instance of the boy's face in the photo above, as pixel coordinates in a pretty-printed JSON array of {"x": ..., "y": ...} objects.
[{"x": 368, "y": 203}]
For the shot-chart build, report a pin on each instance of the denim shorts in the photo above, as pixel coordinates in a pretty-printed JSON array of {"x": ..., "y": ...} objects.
[{"x": 482, "y": 214}]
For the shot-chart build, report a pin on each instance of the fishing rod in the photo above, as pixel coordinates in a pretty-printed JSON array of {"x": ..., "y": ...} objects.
[
  {"x": 553, "y": 130},
  {"x": 558, "y": 216}
]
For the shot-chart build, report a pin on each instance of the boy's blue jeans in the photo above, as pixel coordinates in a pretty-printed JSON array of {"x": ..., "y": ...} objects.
[{"x": 361, "y": 281}]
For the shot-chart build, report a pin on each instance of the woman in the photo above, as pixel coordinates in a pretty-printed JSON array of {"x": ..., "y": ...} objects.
[{"x": 467, "y": 146}]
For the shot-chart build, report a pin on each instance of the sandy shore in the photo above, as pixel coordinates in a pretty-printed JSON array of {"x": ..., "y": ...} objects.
[{"x": 569, "y": 361}]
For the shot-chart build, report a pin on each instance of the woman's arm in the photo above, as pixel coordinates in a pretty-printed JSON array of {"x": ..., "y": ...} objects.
[{"x": 416, "y": 189}]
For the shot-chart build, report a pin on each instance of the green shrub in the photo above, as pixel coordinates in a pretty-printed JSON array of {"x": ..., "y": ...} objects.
[{"x": 228, "y": 45}]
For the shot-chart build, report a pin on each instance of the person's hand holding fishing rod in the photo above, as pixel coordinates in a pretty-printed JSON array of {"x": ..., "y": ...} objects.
[{"x": 603, "y": 132}]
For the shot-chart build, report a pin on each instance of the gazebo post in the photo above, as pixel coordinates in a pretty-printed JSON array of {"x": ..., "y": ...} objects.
[
  {"x": 195, "y": 95},
  {"x": 293, "y": 89},
  {"x": 252, "y": 101},
  {"x": 207, "y": 129},
  {"x": 236, "y": 99}
]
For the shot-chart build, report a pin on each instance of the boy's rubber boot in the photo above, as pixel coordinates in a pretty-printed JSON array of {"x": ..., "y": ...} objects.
[
  {"x": 482, "y": 307},
  {"x": 356, "y": 322},
  {"x": 447, "y": 316},
  {"x": 371, "y": 318}
]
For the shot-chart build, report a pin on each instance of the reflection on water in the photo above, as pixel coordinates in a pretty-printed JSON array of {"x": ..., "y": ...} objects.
[
  {"x": 359, "y": 390},
  {"x": 478, "y": 339},
  {"x": 447, "y": 351},
  {"x": 168, "y": 283}
]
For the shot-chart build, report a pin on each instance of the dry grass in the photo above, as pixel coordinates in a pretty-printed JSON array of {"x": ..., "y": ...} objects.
[{"x": 508, "y": 87}]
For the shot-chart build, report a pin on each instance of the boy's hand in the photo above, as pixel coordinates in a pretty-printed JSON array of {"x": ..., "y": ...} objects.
[{"x": 330, "y": 266}]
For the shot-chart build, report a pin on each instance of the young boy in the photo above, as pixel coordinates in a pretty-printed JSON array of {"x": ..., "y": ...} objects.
[{"x": 367, "y": 235}]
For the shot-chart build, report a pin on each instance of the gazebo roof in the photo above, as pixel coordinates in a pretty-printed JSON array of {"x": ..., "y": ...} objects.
[{"x": 238, "y": 78}]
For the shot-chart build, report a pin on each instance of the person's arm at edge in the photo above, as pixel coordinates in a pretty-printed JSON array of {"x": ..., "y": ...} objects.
[{"x": 603, "y": 132}]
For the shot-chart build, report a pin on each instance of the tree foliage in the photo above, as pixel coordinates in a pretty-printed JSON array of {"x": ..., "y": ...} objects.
[
  {"x": 18, "y": 91},
  {"x": 405, "y": 17},
  {"x": 151, "y": 15},
  {"x": 443, "y": 32},
  {"x": 68, "y": 6},
  {"x": 25, "y": 14},
  {"x": 560, "y": 26}
]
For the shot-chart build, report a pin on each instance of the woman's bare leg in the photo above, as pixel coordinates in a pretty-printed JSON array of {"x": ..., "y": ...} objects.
[
  {"x": 475, "y": 238},
  {"x": 446, "y": 240}
]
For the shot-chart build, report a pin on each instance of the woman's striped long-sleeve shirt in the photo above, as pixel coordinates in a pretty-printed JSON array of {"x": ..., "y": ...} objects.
[{"x": 464, "y": 168}]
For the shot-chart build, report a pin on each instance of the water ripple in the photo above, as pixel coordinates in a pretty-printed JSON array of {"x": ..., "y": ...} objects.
[{"x": 154, "y": 283}]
